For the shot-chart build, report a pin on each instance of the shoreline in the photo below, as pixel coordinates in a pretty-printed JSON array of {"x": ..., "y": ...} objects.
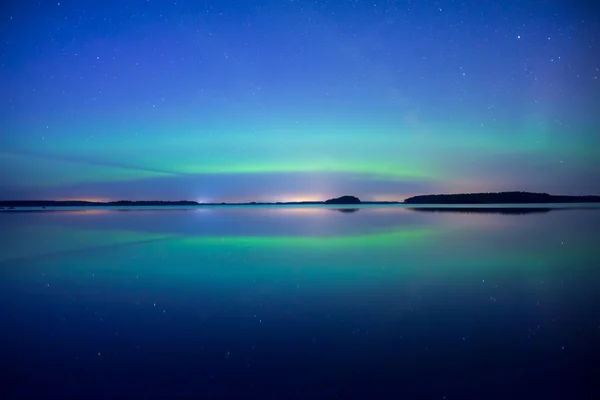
[
  {"x": 472, "y": 200},
  {"x": 365, "y": 205}
]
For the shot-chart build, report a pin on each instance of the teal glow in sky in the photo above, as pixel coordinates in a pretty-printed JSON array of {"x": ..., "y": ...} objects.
[{"x": 298, "y": 100}]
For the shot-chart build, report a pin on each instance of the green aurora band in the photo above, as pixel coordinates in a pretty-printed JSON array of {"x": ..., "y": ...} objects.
[{"x": 403, "y": 153}]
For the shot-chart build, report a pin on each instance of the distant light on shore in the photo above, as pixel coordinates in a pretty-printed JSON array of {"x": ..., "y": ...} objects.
[{"x": 92, "y": 199}]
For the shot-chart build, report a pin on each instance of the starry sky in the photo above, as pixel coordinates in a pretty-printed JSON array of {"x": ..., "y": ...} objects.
[{"x": 285, "y": 100}]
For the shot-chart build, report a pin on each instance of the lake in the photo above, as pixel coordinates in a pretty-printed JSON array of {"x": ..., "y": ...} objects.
[{"x": 306, "y": 302}]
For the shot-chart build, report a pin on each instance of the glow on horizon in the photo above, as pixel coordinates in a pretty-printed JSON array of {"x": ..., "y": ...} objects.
[
  {"x": 296, "y": 198},
  {"x": 292, "y": 198},
  {"x": 90, "y": 199}
]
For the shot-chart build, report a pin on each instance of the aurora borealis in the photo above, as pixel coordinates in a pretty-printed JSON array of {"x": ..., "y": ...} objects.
[{"x": 297, "y": 100}]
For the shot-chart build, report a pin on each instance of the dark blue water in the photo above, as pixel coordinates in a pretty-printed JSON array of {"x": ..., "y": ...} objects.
[{"x": 300, "y": 303}]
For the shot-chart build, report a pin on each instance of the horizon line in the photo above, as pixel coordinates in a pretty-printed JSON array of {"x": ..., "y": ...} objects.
[{"x": 341, "y": 200}]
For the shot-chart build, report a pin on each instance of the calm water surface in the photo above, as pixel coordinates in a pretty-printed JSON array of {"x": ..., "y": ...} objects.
[{"x": 300, "y": 303}]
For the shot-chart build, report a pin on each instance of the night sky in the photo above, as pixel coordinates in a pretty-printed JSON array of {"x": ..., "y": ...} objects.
[{"x": 297, "y": 100}]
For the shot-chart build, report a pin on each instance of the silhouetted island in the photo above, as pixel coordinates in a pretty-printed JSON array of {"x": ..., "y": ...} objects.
[
  {"x": 499, "y": 198},
  {"x": 344, "y": 200}
]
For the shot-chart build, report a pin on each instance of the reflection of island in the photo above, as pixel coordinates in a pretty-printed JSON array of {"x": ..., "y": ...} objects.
[
  {"x": 499, "y": 198},
  {"x": 486, "y": 210},
  {"x": 346, "y": 210}
]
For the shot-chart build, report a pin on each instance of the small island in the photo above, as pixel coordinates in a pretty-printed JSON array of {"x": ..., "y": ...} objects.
[
  {"x": 344, "y": 200},
  {"x": 499, "y": 198}
]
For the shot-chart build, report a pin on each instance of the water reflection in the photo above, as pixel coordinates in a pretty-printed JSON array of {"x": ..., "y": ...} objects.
[
  {"x": 37, "y": 233},
  {"x": 375, "y": 304},
  {"x": 490, "y": 210}
]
